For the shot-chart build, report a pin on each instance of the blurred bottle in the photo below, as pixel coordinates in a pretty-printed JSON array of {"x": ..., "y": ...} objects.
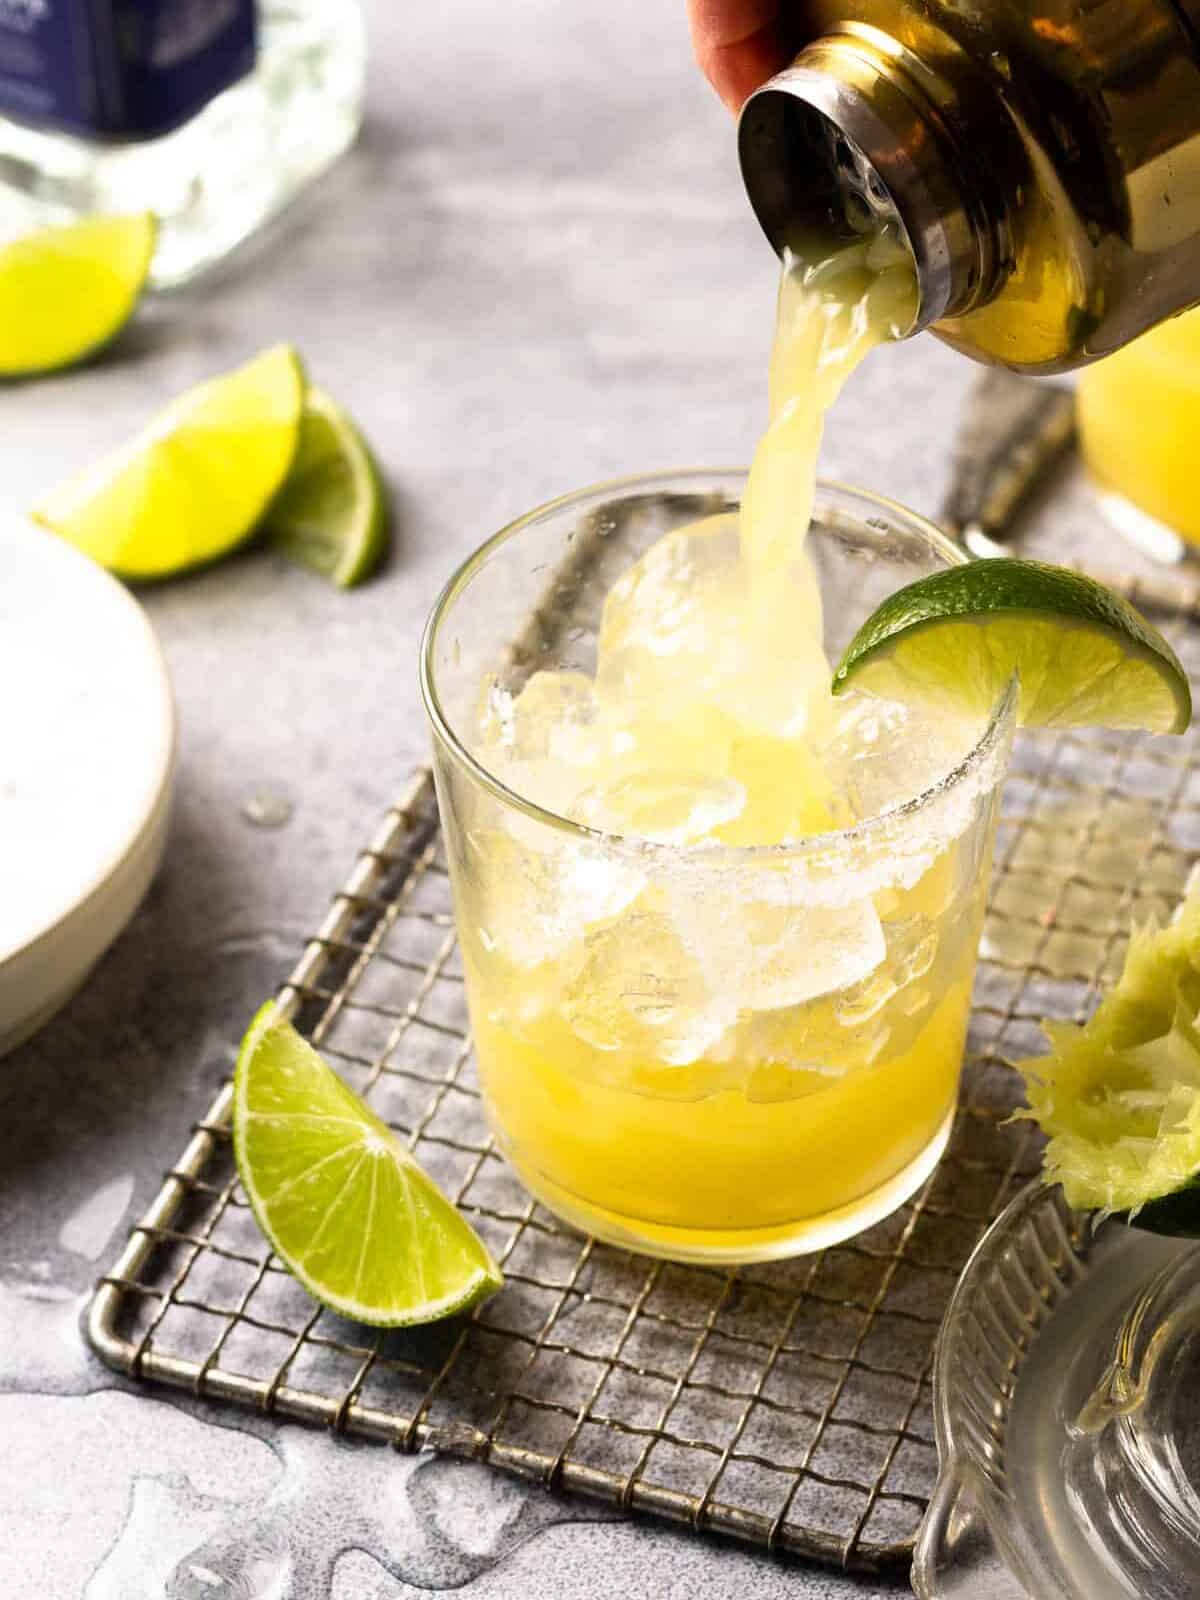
[
  {"x": 211, "y": 113},
  {"x": 1042, "y": 156}
]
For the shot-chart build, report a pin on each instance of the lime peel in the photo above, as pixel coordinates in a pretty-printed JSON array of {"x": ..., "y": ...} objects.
[
  {"x": 347, "y": 1209},
  {"x": 1083, "y": 655},
  {"x": 331, "y": 513},
  {"x": 1119, "y": 1096}
]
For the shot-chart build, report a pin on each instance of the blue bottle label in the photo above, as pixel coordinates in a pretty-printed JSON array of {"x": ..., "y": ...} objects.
[{"x": 120, "y": 69}]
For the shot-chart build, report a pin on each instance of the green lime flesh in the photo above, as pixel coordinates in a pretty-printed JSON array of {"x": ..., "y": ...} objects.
[
  {"x": 1119, "y": 1097},
  {"x": 331, "y": 514},
  {"x": 65, "y": 292},
  {"x": 1082, "y": 654},
  {"x": 342, "y": 1203},
  {"x": 194, "y": 484}
]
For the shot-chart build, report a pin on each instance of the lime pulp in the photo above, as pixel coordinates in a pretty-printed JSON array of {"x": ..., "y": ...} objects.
[{"x": 1119, "y": 1097}]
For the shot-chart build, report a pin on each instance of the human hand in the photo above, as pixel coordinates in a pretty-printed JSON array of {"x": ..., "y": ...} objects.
[{"x": 738, "y": 44}]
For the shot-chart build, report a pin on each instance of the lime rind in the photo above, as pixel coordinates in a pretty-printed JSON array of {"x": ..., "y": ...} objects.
[
  {"x": 345, "y": 1207},
  {"x": 1083, "y": 655},
  {"x": 194, "y": 484},
  {"x": 67, "y": 291},
  {"x": 1119, "y": 1097},
  {"x": 331, "y": 513}
]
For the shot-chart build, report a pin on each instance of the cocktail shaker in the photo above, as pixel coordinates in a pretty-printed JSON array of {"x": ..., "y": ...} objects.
[{"x": 1042, "y": 157}]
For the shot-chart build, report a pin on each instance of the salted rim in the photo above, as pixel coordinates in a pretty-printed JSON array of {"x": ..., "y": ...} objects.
[{"x": 810, "y": 845}]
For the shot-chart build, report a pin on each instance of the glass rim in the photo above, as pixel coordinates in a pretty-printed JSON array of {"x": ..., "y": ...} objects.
[{"x": 880, "y": 827}]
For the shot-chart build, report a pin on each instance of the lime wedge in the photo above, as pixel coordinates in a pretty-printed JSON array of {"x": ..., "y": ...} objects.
[
  {"x": 345, "y": 1207},
  {"x": 194, "y": 484},
  {"x": 1083, "y": 655},
  {"x": 331, "y": 514},
  {"x": 1119, "y": 1097},
  {"x": 66, "y": 291}
]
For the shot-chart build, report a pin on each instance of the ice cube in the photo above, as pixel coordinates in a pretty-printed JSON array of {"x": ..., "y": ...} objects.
[
  {"x": 891, "y": 1007},
  {"x": 668, "y": 807},
  {"x": 788, "y": 792},
  {"x": 548, "y": 744},
  {"x": 682, "y": 629},
  {"x": 798, "y": 953},
  {"x": 532, "y": 902},
  {"x": 639, "y": 991},
  {"x": 797, "y": 1050},
  {"x": 555, "y": 716},
  {"x": 766, "y": 953},
  {"x": 912, "y": 946},
  {"x": 884, "y": 752},
  {"x": 661, "y": 605},
  {"x": 672, "y": 627}
]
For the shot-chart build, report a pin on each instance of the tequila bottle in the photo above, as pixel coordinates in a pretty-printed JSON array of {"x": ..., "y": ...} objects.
[{"x": 210, "y": 113}]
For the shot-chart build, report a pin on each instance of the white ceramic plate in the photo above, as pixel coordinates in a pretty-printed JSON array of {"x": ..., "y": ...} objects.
[{"x": 87, "y": 748}]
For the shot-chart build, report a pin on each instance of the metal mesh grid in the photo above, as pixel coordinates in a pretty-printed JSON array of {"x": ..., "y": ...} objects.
[{"x": 786, "y": 1404}]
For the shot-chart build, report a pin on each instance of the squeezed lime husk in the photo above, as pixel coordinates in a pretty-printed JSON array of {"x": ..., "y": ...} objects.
[{"x": 1119, "y": 1096}]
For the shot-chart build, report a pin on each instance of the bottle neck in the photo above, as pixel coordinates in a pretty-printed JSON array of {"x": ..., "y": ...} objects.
[{"x": 849, "y": 124}]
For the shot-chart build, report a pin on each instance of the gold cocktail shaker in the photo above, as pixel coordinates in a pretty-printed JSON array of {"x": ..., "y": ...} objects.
[{"x": 1042, "y": 156}]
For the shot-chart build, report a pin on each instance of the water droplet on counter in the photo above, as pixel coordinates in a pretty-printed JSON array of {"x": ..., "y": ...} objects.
[{"x": 268, "y": 805}]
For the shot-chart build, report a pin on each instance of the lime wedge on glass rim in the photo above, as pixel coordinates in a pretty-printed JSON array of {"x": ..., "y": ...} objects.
[
  {"x": 1119, "y": 1096},
  {"x": 331, "y": 514},
  {"x": 1084, "y": 656},
  {"x": 343, "y": 1204},
  {"x": 66, "y": 291},
  {"x": 194, "y": 484}
]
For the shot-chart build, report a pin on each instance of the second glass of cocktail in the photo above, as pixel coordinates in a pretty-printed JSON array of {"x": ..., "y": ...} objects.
[{"x": 719, "y": 962}]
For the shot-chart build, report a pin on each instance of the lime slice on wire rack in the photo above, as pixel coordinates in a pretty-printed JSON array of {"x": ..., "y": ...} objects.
[
  {"x": 331, "y": 514},
  {"x": 1084, "y": 656},
  {"x": 1119, "y": 1097},
  {"x": 66, "y": 291},
  {"x": 342, "y": 1203},
  {"x": 194, "y": 484}
]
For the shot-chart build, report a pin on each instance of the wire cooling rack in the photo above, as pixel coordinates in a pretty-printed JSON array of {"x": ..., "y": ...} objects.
[{"x": 789, "y": 1404}]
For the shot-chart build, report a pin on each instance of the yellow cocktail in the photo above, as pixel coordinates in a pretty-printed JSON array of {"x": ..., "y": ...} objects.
[
  {"x": 737, "y": 1159},
  {"x": 690, "y": 1041},
  {"x": 719, "y": 929},
  {"x": 1139, "y": 423}
]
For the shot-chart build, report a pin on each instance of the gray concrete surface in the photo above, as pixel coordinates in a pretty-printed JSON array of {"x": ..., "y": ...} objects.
[{"x": 537, "y": 269}]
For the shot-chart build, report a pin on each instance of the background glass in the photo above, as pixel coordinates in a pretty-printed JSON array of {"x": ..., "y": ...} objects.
[{"x": 1139, "y": 416}]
